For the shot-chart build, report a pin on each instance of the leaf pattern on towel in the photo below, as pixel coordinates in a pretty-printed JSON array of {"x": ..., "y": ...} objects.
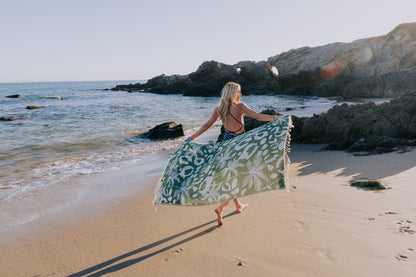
[{"x": 202, "y": 174}]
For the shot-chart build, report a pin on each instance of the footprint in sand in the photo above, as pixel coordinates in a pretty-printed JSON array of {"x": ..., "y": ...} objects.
[
  {"x": 324, "y": 254},
  {"x": 388, "y": 213},
  {"x": 300, "y": 226},
  {"x": 406, "y": 229},
  {"x": 176, "y": 252},
  {"x": 401, "y": 257},
  {"x": 405, "y": 226}
]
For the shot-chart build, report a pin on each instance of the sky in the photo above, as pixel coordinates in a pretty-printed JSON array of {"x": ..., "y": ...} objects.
[{"x": 89, "y": 40}]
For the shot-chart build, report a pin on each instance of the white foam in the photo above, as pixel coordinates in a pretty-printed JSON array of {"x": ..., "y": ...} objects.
[{"x": 78, "y": 197}]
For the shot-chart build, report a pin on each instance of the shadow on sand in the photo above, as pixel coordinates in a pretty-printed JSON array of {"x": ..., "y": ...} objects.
[
  {"x": 360, "y": 167},
  {"x": 114, "y": 264}
]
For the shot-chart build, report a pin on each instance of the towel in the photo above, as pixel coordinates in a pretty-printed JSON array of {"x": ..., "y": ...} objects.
[{"x": 203, "y": 174}]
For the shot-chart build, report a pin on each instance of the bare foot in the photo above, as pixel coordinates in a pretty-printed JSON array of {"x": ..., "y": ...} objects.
[
  {"x": 219, "y": 216},
  {"x": 241, "y": 208}
]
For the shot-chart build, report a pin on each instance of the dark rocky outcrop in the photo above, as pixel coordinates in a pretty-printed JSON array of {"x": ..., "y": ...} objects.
[
  {"x": 32, "y": 107},
  {"x": 368, "y": 185},
  {"x": 382, "y": 66},
  {"x": 209, "y": 79},
  {"x": 12, "y": 118},
  {"x": 362, "y": 127},
  {"x": 165, "y": 131},
  {"x": 13, "y": 96}
]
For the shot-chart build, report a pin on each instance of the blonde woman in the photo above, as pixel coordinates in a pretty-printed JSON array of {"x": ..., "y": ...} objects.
[{"x": 230, "y": 110}]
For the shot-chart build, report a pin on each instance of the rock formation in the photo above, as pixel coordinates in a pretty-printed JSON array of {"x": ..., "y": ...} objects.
[
  {"x": 362, "y": 127},
  {"x": 12, "y": 118},
  {"x": 209, "y": 79},
  {"x": 382, "y": 66},
  {"x": 32, "y": 107},
  {"x": 13, "y": 96},
  {"x": 368, "y": 128},
  {"x": 165, "y": 131}
]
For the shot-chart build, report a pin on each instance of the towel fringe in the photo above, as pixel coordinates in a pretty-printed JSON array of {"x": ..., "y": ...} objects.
[{"x": 286, "y": 154}]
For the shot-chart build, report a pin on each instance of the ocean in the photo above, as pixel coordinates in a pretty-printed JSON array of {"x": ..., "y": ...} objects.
[{"x": 82, "y": 129}]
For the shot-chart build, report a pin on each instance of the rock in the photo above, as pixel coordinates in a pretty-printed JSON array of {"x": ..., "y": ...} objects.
[
  {"x": 382, "y": 66},
  {"x": 126, "y": 87},
  {"x": 209, "y": 78},
  {"x": 165, "y": 131},
  {"x": 368, "y": 185},
  {"x": 12, "y": 118},
  {"x": 374, "y": 67},
  {"x": 13, "y": 96},
  {"x": 363, "y": 127},
  {"x": 32, "y": 107}
]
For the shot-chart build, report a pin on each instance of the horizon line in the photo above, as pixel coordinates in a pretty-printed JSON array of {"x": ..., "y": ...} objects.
[{"x": 74, "y": 81}]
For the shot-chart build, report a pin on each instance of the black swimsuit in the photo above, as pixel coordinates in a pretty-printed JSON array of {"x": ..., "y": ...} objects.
[{"x": 234, "y": 133}]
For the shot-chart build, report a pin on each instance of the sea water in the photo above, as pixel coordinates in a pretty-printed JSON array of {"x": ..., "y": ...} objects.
[{"x": 82, "y": 129}]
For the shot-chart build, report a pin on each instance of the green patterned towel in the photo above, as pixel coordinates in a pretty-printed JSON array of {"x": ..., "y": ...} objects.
[{"x": 202, "y": 174}]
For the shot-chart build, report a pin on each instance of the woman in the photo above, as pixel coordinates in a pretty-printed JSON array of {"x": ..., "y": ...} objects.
[{"x": 230, "y": 110}]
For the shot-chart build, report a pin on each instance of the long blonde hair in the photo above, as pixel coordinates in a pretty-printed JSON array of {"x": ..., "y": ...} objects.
[{"x": 228, "y": 97}]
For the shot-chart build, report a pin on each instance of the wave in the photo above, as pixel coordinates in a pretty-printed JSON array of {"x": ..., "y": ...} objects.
[{"x": 53, "y": 97}]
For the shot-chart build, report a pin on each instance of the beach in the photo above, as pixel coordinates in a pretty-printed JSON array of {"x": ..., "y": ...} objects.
[
  {"x": 48, "y": 155},
  {"x": 320, "y": 227},
  {"x": 100, "y": 104}
]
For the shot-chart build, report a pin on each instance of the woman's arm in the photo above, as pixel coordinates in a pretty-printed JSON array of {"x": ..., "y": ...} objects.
[
  {"x": 259, "y": 116},
  {"x": 206, "y": 125}
]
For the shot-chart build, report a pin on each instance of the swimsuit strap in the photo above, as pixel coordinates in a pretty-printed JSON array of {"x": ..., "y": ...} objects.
[{"x": 234, "y": 132}]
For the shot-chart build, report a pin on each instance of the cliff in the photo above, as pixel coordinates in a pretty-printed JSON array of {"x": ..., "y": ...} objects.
[{"x": 382, "y": 66}]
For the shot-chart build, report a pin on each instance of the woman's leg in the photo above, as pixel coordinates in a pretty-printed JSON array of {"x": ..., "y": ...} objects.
[
  {"x": 240, "y": 207},
  {"x": 220, "y": 210}
]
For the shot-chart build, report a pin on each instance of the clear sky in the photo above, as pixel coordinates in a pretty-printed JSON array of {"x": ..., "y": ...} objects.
[{"x": 77, "y": 40}]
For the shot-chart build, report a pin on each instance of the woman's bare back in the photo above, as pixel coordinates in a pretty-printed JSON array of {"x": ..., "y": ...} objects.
[{"x": 235, "y": 119}]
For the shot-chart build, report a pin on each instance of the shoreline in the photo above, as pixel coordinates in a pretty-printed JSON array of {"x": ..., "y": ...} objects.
[
  {"x": 77, "y": 191},
  {"x": 323, "y": 227},
  {"x": 100, "y": 193},
  {"x": 88, "y": 195}
]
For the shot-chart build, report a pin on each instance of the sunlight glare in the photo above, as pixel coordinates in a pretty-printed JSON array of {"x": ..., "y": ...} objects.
[
  {"x": 332, "y": 70},
  {"x": 366, "y": 54}
]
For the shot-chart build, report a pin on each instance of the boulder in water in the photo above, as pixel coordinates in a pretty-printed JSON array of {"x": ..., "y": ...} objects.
[
  {"x": 13, "y": 96},
  {"x": 32, "y": 107},
  {"x": 12, "y": 118},
  {"x": 165, "y": 130}
]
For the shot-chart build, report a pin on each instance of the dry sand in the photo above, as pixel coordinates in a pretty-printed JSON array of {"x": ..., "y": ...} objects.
[{"x": 322, "y": 227}]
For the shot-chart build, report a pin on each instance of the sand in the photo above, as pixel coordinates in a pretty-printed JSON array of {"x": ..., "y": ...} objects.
[{"x": 321, "y": 227}]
